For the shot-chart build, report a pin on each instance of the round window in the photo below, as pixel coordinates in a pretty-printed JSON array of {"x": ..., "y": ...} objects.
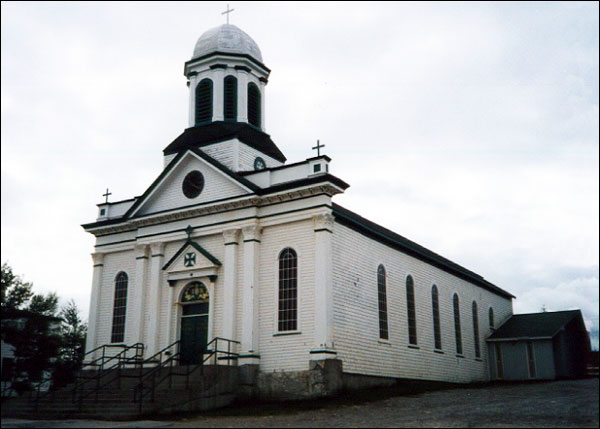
[
  {"x": 259, "y": 163},
  {"x": 193, "y": 184}
]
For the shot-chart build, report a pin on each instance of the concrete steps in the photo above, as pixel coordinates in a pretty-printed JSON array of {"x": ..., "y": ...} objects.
[{"x": 215, "y": 387}]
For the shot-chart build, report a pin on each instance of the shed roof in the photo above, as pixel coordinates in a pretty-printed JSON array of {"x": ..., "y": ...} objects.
[{"x": 534, "y": 325}]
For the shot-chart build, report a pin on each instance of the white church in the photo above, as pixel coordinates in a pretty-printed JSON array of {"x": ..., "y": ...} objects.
[{"x": 232, "y": 241}]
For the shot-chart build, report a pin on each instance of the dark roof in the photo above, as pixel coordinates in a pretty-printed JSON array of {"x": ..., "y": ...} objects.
[
  {"x": 215, "y": 132},
  {"x": 396, "y": 241},
  {"x": 534, "y": 325}
]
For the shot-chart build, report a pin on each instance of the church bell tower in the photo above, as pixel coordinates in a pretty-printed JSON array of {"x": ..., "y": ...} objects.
[{"x": 227, "y": 79}]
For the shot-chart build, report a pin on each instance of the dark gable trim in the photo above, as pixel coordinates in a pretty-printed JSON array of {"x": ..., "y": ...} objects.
[
  {"x": 220, "y": 131},
  {"x": 196, "y": 246},
  {"x": 397, "y": 242},
  {"x": 230, "y": 54}
]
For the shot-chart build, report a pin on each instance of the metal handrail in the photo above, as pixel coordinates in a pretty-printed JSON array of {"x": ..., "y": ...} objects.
[
  {"x": 121, "y": 360},
  {"x": 151, "y": 375}
]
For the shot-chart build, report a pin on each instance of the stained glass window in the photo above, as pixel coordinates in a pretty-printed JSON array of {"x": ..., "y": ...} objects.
[
  {"x": 410, "y": 310},
  {"x": 457, "y": 331},
  {"x": 435, "y": 307}
]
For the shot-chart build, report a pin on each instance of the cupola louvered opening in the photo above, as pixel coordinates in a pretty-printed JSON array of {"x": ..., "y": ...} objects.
[
  {"x": 254, "y": 105},
  {"x": 230, "y": 98},
  {"x": 204, "y": 102}
]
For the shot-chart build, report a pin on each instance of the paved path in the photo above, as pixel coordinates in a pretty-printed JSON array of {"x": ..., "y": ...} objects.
[{"x": 549, "y": 404}]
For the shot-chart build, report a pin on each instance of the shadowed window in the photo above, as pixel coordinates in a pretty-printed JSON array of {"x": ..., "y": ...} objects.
[
  {"x": 491, "y": 318},
  {"x": 204, "y": 101},
  {"x": 476, "y": 330},
  {"x": 230, "y": 98},
  {"x": 288, "y": 290},
  {"x": 254, "y": 102},
  {"x": 457, "y": 331},
  {"x": 410, "y": 310},
  {"x": 382, "y": 298},
  {"x": 119, "y": 308},
  {"x": 435, "y": 308}
]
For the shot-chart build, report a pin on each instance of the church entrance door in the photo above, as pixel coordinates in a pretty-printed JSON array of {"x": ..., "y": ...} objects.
[{"x": 194, "y": 324}]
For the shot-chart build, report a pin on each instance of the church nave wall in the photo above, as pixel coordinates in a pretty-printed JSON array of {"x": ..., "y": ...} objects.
[
  {"x": 356, "y": 321},
  {"x": 289, "y": 352}
]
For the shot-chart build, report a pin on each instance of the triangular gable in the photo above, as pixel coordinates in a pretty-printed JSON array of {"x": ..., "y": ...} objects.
[
  {"x": 191, "y": 256},
  {"x": 165, "y": 192}
]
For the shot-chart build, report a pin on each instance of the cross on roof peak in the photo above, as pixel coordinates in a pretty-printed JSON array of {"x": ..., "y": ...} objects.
[
  {"x": 227, "y": 12},
  {"x": 106, "y": 195},
  {"x": 318, "y": 148}
]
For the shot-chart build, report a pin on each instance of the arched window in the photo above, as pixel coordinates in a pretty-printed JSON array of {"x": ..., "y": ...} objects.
[
  {"x": 476, "y": 331},
  {"x": 230, "y": 98},
  {"x": 491, "y": 318},
  {"x": 204, "y": 101},
  {"x": 457, "y": 331},
  {"x": 410, "y": 310},
  {"x": 119, "y": 308},
  {"x": 435, "y": 308},
  {"x": 382, "y": 295},
  {"x": 288, "y": 290},
  {"x": 254, "y": 105}
]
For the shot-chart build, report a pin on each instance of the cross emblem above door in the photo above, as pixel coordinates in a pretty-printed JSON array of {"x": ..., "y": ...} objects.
[{"x": 189, "y": 259}]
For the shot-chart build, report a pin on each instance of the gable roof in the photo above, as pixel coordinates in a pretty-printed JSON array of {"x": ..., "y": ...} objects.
[
  {"x": 216, "y": 132},
  {"x": 236, "y": 177},
  {"x": 202, "y": 250},
  {"x": 396, "y": 241},
  {"x": 534, "y": 325}
]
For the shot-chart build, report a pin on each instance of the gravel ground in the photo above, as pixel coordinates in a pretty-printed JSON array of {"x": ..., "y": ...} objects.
[{"x": 543, "y": 404}]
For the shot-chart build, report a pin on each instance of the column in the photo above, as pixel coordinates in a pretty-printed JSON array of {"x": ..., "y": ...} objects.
[
  {"x": 323, "y": 348},
  {"x": 138, "y": 305},
  {"x": 92, "y": 335},
  {"x": 242, "y": 108},
  {"x": 218, "y": 88},
  {"x": 156, "y": 263},
  {"x": 249, "y": 348},
  {"x": 229, "y": 281}
]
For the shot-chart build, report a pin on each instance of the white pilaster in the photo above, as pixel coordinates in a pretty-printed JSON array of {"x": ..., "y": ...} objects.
[
  {"x": 249, "y": 348},
  {"x": 242, "y": 107},
  {"x": 156, "y": 263},
  {"x": 218, "y": 96},
  {"x": 229, "y": 286},
  {"x": 92, "y": 335},
  {"x": 263, "y": 116},
  {"x": 323, "y": 348},
  {"x": 136, "y": 308},
  {"x": 192, "y": 88}
]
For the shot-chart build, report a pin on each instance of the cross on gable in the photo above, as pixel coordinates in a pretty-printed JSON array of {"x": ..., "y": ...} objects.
[
  {"x": 106, "y": 195},
  {"x": 318, "y": 148},
  {"x": 189, "y": 259}
]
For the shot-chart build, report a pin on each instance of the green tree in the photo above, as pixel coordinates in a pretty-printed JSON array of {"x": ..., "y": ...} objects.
[
  {"x": 15, "y": 292},
  {"x": 73, "y": 332}
]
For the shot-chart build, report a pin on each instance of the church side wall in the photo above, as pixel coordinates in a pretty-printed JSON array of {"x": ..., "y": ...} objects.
[
  {"x": 288, "y": 352},
  {"x": 356, "y": 323}
]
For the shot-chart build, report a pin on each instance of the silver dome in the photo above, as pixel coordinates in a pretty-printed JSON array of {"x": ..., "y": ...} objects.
[{"x": 226, "y": 38}]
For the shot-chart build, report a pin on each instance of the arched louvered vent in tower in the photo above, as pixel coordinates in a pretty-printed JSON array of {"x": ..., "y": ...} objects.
[
  {"x": 253, "y": 105},
  {"x": 204, "y": 101},
  {"x": 230, "y": 98}
]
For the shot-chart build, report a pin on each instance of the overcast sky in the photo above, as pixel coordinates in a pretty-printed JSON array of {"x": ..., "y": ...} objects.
[{"x": 469, "y": 128}]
